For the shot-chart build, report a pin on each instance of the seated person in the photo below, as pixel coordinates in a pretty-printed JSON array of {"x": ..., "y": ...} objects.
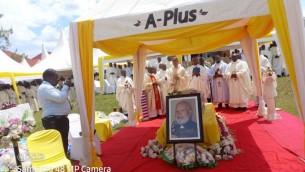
[{"x": 184, "y": 126}]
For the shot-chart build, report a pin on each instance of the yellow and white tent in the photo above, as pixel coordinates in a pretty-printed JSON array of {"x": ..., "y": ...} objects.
[{"x": 131, "y": 27}]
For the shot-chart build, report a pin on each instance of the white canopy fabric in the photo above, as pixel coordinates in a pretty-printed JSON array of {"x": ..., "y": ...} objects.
[
  {"x": 44, "y": 53},
  {"x": 127, "y": 13},
  {"x": 9, "y": 65},
  {"x": 60, "y": 59},
  {"x": 176, "y": 27}
]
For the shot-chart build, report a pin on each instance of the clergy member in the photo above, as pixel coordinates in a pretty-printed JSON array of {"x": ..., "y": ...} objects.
[
  {"x": 154, "y": 102},
  {"x": 220, "y": 87},
  {"x": 125, "y": 93},
  {"x": 198, "y": 78},
  {"x": 239, "y": 83},
  {"x": 111, "y": 74},
  {"x": 177, "y": 76},
  {"x": 164, "y": 84}
]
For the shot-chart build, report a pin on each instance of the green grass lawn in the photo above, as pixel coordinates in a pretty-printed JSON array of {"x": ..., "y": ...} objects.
[{"x": 106, "y": 103}]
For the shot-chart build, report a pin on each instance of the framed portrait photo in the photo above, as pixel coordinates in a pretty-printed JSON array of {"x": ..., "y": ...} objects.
[{"x": 184, "y": 119}]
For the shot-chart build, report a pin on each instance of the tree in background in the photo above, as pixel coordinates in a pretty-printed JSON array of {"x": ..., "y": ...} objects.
[{"x": 4, "y": 37}]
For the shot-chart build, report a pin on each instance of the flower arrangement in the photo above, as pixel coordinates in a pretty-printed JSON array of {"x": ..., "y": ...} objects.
[
  {"x": 7, "y": 105},
  {"x": 127, "y": 85},
  {"x": 268, "y": 72},
  {"x": 207, "y": 63},
  {"x": 152, "y": 150},
  {"x": 226, "y": 149},
  {"x": 186, "y": 157},
  {"x": 185, "y": 152},
  {"x": 15, "y": 128}
]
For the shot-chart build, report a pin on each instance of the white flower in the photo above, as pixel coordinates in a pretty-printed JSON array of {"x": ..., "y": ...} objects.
[
  {"x": 144, "y": 154},
  {"x": 217, "y": 157},
  {"x": 154, "y": 155},
  {"x": 150, "y": 142},
  {"x": 155, "y": 148},
  {"x": 150, "y": 152}
]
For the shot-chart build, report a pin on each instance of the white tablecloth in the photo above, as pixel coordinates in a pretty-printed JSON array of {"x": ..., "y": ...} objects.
[{"x": 15, "y": 112}]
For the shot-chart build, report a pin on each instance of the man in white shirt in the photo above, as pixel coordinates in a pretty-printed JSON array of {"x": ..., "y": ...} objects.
[
  {"x": 111, "y": 74},
  {"x": 55, "y": 104},
  {"x": 177, "y": 76},
  {"x": 164, "y": 84},
  {"x": 220, "y": 89},
  {"x": 125, "y": 93},
  {"x": 198, "y": 78},
  {"x": 277, "y": 60},
  {"x": 128, "y": 70},
  {"x": 239, "y": 83}
]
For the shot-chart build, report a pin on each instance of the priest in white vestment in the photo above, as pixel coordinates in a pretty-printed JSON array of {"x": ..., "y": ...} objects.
[
  {"x": 125, "y": 93},
  {"x": 177, "y": 76},
  {"x": 4, "y": 98},
  {"x": 128, "y": 70},
  {"x": 111, "y": 74},
  {"x": 11, "y": 94},
  {"x": 277, "y": 60},
  {"x": 21, "y": 90},
  {"x": 239, "y": 83},
  {"x": 154, "y": 102},
  {"x": 198, "y": 78},
  {"x": 164, "y": 84},
  {"x": 220, "y": 89},
  {"x": 30, "y": 93}
]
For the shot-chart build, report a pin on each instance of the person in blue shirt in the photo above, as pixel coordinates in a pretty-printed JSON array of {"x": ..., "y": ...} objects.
[
  {"x": 184, "y": 126},
  {"x": 55, "y": 104}
]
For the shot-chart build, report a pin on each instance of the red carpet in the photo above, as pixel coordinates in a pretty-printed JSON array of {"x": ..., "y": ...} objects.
[{"x": 262, "y": 145}]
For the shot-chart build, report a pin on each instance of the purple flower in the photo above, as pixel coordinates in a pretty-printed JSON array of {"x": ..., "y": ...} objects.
[
  {"x": 14, "y": 121},
  {"x": 25, "y": 128}
]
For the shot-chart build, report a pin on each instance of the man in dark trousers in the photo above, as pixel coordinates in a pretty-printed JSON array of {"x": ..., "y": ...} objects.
[{"x": 55, "y": 104}]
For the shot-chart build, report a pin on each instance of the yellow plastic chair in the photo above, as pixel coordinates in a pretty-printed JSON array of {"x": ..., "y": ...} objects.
[{"x": 46, "y": 152}]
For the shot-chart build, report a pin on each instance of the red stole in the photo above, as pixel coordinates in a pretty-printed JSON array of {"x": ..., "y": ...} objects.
[{"x": 157, "y": 93}]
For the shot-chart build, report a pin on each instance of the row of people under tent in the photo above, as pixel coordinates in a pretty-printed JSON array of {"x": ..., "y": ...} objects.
[
  {"x": 276, "y": 59},
  {"x": 112, "y": 73},
  {"x": 28, "y": 93},
  {"x": 216, "y": 84}
]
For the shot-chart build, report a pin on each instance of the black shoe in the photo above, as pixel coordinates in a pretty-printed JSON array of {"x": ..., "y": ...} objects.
[
  {"x": 227, "y": 106},
  {"x": 242, "y": 108},
  {"x": 219, "y": 106}
]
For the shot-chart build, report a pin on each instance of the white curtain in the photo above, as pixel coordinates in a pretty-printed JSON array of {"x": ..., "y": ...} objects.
[
  {"x": 78, "y": 81},
  {"x": 139, "y": 61},
  {"x": 250, "y": 48},
  {"x": 297, "y": 39}
]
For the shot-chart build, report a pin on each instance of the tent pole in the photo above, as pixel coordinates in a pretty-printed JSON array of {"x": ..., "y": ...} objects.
[{"x": 15, "y": 87}]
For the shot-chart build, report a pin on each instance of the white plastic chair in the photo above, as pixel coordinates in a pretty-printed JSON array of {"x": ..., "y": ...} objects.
[
  {"x": 75, "y": 130},
  {"x": 108, "y": 89},
  {"x": 76, "y": 138}
]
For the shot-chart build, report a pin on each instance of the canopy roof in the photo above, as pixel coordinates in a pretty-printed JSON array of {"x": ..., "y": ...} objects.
[
  {"x": 162, "y": 26},
  {"x": 60, "y": 59},
  {"x": 9, "y": 65}
]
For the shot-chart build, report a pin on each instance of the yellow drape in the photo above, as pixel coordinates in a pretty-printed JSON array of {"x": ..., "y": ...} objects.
[
  {"x": 187, "y": 40},
  {"x": 85, "y": 36},
  {"x": 100, "y": 67},
  {"x": 278, "y": 14}
]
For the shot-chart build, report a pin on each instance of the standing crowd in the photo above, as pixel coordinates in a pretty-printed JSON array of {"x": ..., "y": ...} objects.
[{"x": 224, "y": 81}]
